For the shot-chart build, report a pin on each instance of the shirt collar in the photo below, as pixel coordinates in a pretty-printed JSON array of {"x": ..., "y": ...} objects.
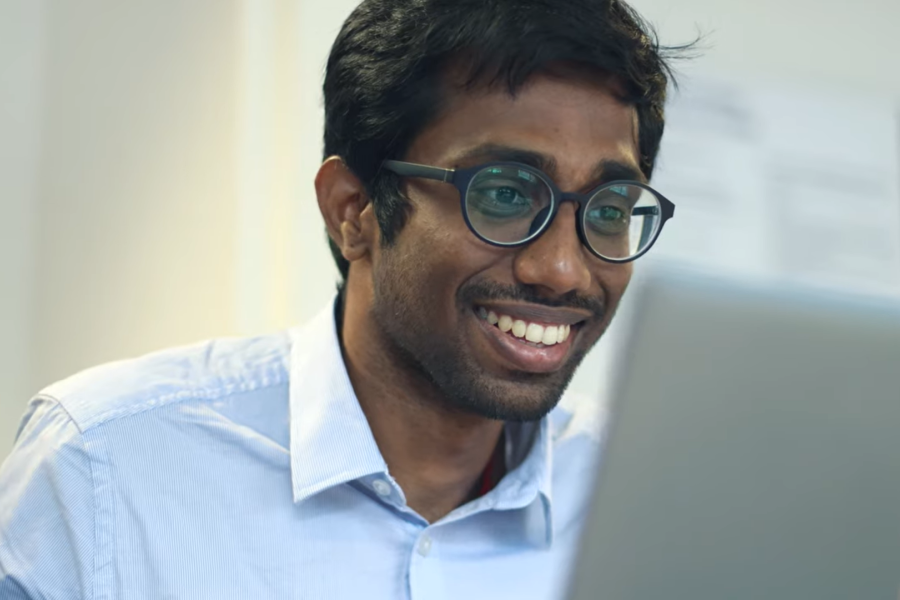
[
  {"x": 528, "y": 480},
  {"x": 331, "y": 442}
]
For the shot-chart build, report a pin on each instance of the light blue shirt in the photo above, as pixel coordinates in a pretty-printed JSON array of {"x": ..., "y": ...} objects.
[{"x": 246, "y": 469}]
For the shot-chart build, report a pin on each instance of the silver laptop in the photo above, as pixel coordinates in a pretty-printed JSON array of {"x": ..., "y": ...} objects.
[{"x": 754, "y": 449}]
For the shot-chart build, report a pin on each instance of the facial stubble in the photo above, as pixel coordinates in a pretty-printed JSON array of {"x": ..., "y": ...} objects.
[{"x": 444, "y": 364}]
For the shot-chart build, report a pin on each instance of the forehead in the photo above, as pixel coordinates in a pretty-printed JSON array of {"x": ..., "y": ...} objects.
[{"x": 575, "y": 121}]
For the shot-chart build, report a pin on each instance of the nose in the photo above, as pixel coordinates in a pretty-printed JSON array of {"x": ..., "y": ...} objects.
[{"x": 555, "y": 261}]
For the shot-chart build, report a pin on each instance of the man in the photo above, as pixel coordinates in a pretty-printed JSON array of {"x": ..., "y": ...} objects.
[{"x": 484, "y": 193}]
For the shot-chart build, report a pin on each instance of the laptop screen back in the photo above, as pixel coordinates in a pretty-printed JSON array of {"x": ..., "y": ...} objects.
[{"x": 754, "y": 450}]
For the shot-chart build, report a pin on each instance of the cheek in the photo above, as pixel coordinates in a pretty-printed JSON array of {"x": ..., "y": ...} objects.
[
  {"x": 421, "y": 271},
  {"x": 441, "y": 246},
  {"x": 443, "y": 261},
  {"x": 614, "y": 280},
  {"x": 621, "y": 277}
]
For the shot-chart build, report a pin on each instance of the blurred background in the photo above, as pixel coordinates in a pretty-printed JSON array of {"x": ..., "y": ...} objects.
[{"x": 157, "y": 158}]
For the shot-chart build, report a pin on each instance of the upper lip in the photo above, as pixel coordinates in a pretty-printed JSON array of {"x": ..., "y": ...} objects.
[{"x": 537, "y": 313}]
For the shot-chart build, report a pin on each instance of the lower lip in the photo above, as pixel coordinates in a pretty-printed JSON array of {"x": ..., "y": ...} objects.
[{"x": 522, "y": 355}]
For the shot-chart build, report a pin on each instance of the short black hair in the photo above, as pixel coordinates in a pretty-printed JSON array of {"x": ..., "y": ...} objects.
[{"x": 383, "y": 82}]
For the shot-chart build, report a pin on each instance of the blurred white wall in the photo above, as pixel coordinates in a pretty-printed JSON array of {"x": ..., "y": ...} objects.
[
  {"x": 21, "y": 98},
  {"x": 825, "y": 44},
  {"x": 156, "y": 158},
  {"x": 119, "y": 201},
  {"x": 136, "y": 196}
]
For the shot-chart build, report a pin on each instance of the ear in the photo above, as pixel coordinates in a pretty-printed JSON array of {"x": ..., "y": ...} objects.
[{"x": 345, "y": 208}]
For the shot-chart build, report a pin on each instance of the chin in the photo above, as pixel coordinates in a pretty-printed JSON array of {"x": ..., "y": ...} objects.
[{"x": 529, "y": 397}]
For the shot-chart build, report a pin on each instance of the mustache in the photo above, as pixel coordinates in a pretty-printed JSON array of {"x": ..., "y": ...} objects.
[{"x": 477, "y": 291}]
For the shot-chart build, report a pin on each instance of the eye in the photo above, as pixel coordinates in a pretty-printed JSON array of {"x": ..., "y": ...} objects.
[
  {"x": 607, "y": 219},
  {"x": 507, "y": 195},
  {"x": 501, "y": 201}
]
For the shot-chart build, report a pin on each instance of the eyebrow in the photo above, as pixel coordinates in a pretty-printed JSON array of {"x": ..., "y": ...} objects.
[{"x": 604, "y": 171}]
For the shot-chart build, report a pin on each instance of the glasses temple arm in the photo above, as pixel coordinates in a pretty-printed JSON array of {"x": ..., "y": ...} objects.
[
  {"x": 644, "y": 210},
  {"x": 648, "y": 225},
  {"x": 408, "y": 169}
]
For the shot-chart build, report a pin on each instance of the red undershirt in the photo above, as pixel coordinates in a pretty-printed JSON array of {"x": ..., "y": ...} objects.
[{"x": 487, "y": 476}]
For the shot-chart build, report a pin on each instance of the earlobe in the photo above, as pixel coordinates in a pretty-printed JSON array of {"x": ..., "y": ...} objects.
[{"x": 343, "y": 203}]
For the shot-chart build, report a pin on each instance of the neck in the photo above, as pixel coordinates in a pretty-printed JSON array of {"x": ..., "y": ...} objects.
[{"x": 436, "y": 454}]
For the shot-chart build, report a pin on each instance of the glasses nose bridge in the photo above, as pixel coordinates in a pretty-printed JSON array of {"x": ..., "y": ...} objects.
[
  {"x": 562, "y": 198},
  {"x": 578, "y": 199},
  {"x": 559, "y": 198}
]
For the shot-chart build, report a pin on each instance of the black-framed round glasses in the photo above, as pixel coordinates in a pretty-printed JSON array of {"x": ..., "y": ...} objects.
[{"x": 510, "y": 204}]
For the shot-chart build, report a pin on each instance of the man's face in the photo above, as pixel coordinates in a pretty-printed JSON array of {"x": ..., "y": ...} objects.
[{"x": 433, "y": 287}]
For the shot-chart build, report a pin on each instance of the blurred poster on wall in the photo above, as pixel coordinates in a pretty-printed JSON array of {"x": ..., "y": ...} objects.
[
  {"x": 770, "y": 182},
  {"x": 797, "y": 184}
]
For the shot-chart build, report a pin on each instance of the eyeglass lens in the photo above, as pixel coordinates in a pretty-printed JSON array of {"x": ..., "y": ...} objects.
[
  {"x": 509, "y": 205},
  {"x": 621, "y": 220}
]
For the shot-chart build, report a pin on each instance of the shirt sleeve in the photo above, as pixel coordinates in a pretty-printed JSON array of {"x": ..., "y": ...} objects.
[{"x": 46, "y": 509}]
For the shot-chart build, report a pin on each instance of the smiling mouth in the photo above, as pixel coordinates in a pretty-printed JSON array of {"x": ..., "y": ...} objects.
[{"x": 539, "y": 335}]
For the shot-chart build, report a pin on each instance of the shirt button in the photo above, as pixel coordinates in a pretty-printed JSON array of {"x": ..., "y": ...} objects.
[
  {"x": 424, "y": 545},
  {"x": 381, "y": 487}
]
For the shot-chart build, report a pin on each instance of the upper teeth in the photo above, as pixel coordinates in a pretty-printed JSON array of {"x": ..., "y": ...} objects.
[{"x": 533, "y": 332}]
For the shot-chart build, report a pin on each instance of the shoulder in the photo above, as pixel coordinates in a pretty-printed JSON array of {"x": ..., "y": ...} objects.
[{"x": 208, "y": 370}]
